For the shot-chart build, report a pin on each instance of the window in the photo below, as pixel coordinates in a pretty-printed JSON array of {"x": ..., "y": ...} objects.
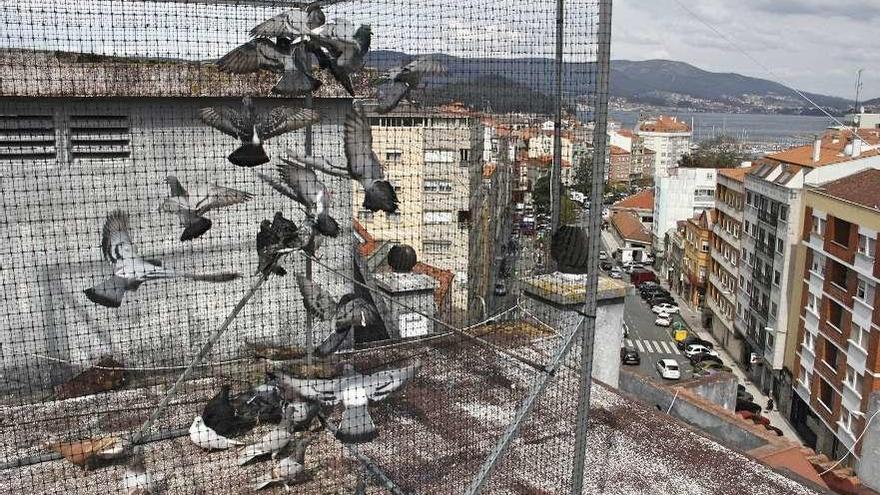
[
  {"x": 826, "y": 394},
  {"x": 783, "y": 212},
  {"x": 439, "y": 156},
  {"x": 854, "y": 380},
  {"x": 464, "y": 219},
  {"x": 774, "y": 309},
  {"x": 748, "y": 198},
  {"x": 818, "y": 226},
  {"x": 437, "y": 217},
  {"x": 436, "y": 246},
  {"x": 704, "y": 247},
  {"x": 847, "y": 421},
  {"x": 830, "y": 355},
  {"x": 748, "y": 227},
  {"x": 812, "y": 303},
  {"x": 464, "y": 155},
  {"x": 437, "y": 186},
  {"x": 804, "y": 377},
  {"x": 862, "y": 289},
  {"x": 809, "y": 341},
  {"x": 835, "y": 314},
  {"x": 742, "y": 281},
  {"x": 393, "y": 155},
  {"x": 780, "y": 246},
  {"x": 364, "y": 214},
  {"x": 859, "y": 336},
  {"x": 841, "y": 231},
  {"x": 27, "y": 137},
  {"x": 776, "y": 277},
  {"x": 838, "y": 274},
  {"x": 751, "y": 259},
  {"x": 867, "y": 245},
  {"x": 99, "y": 137},
  {"x": 743, "y": 254}
]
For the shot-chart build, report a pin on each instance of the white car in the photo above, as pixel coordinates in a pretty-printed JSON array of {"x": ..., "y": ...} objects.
[
  {"x": 616, "y": 273},
  {"x": 603, "y": 255},
  {"x": 665, "y": 308},
  {"x": 695, "y": 349},
  {"x": 663, "y": 321},
  {"x": 668, "y": 368}
]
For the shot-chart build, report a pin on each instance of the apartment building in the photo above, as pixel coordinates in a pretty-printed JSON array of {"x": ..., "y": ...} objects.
[
  {"x": 725, "y": 257},
  {"x": 682, "y": 194},
  {"x": 695, "y": 266},
  {"x": 429, "y": 156},
  {"x": 620, "y": 165},
  {"x": 669, "y": 138},
  {"x": 837, "y": 362}
]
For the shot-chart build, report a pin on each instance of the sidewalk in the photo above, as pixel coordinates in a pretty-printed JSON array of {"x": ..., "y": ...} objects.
[{"x": 692, "y": 319}]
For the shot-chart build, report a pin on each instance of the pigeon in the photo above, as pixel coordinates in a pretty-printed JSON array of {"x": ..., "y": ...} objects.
[
  {"x": 363, "y": 164},
  {"x": 354, "y": 391},
  {"x": 274, "y": 239},
  {"x": 220, "y": 415},
  {"x": 351, "y": 312},
  {"x": 207, "y": 438},
  {"x": 314, "y": 242},
  {"x": 259, "y": 404},
  {"x": 253, "y": 128},
  {"x": 271, "y": 443},
  {"x": 87, "y": 452},
  {"x": 301, "y": 414},
  {"x": 136, "y": 480},
  {"x": 191, "y": 206},
  {"x": 401, "y": 81},
  {"x": 341, "y": 48},
  {"x": 288, "y": 469},
  {"x": 292, "y": 23},
  {"x": 317, "y": 301},
  {"x": 130, "y": 270},
  {"x": 292, "y": 61},
  {"x": 301, "y": 184}
]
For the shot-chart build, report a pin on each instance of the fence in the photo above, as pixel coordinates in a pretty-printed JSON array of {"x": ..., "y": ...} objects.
[{"x": 178, "y": 176}]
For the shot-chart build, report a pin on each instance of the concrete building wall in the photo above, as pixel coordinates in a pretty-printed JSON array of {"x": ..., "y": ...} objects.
[
  {"x": 54, "y": 211},
  {"x": 678, "y": 197},
  {"x": 668, "y": 147}
]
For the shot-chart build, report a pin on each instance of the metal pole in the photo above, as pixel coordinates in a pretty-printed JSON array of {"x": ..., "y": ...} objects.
[
  {"x": 593, "y": 227},
  {"x": 556, "y": 169},
  {"x": 310, "y": 337}
]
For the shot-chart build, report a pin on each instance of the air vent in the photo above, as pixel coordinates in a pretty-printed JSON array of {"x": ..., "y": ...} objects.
[
  {"x": 27, "y": 137},
  {"x": 99, "y": 137}
]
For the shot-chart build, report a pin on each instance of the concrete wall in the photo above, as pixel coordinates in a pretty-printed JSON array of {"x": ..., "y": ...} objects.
[
  {"x": 54, "y": 210},
  {"x": 674, "y": 199}
]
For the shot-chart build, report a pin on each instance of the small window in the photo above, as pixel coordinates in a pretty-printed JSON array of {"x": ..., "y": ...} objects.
[
  {"x": 777, "y": 277},
  {"x": 436, "y": 246},
  {"x": 862, "y": 289},
  {"x": 859, "y": 336},
  {"x": 393, "y": 155},
  {"x": 809, "y": 341},
  {"x": 783, "y": 212},
  {"x": 27, "y": 137},
  {"x": 835, "y": 314},
  {"x": 365, "y": 215},
  {"x": 804, "y": 377},
  {"x": 437, "y": 217},
  {"x": 854, "y": 380},
  {"x": 867, "y": 245},
  {"x": 99, "y": 137},
  {"x": 774, "y": 309},
  {"x": 437, "y": 186},
  {"x": 812, "y": 303},
  {"x": 826, "y": 394},
  {"x": 464, "y": 219},
  {"x": 780, "y": 246},
  {"x": 830, "y": 356},
  {"x": 464, "y": 155}
]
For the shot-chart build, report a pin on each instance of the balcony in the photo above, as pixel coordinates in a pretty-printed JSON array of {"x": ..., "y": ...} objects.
[
  {"x": 768, "y": 217},
  {"x": 759, "y": 277},
  {"x": 724, "y": 262},
  {"x": 725, "y": 236},
  {"x": 728, "y": 293},
  {"x": 728, "y": 210},
  {"x": 715, "y": 308}
]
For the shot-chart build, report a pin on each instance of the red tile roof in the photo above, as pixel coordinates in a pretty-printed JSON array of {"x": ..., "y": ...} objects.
[
  {"x": 630, "y": 228},
  {"x": 617, "y": 150},
  {"x": 737, "y": 174},
  {"x": 642, "y": 200},
  {"x": 831, "y": 149},
  {"x": 369, "y": 244},
  {"x": 624, "y": 132},
  {"x": 862, "y": 188},
  {"x": 663, "y": 124}
]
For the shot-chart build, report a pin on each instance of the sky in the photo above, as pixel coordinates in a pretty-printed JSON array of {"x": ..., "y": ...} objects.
[{"x": 815, "y": 45}]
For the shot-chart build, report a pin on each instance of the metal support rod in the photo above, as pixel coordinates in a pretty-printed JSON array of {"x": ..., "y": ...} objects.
[
  {"x": 593, "y": 228},
  {"x": 309, "y": 327},
  {"x": 138, "y": 436},
  {"x": 540, "y": 383},
  {"x": 556, "y": 170}
]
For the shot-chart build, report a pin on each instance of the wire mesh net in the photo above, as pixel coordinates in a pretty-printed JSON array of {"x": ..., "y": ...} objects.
[{"x": 315, "y": 235}]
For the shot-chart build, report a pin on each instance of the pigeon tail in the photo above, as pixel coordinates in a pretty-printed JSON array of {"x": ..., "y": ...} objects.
[
  {"x": 196, "y": 226},
  {"x": 249, "y": 155},
  {"x": 214, "y": 277},
  {"x": 357, "y": 425},
  {"x": 295, "y": 83},
  {"x": 381, "y": 196},
  {"x": 332, "y": 343},
  {"x": 109, "y": 293},
  {"x": 327, "y": 225},
  {"x": 390, "y": 95},
  {"x": 264, "y": 481}
]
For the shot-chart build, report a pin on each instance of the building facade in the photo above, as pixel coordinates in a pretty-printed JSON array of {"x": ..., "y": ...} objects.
[
  {"x": 695, "y": 267},
  {"x": 837, "y": 363},
  {"x": 725, "y": 258},
  {"x": 683, "y": 194},
  {"x": 619, "y": 167},
  {"x": 669, "y": 138}
]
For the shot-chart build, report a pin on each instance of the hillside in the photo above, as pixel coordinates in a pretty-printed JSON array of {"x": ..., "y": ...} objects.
[{"x": 661, "y": 83}]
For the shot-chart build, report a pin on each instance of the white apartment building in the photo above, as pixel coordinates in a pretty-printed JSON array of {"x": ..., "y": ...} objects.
[
  {"x": 669, "y": 138},
  {"x": 682, "y": 194}
]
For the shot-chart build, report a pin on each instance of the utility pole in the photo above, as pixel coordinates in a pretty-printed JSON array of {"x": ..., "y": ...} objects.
[
  {"x": 593, "y": 226},
  {"x": 556, "y": 169}
]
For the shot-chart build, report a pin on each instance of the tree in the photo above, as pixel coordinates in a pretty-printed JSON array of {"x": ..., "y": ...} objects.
[
  {"x": 583, "y": 175},
  {"x": 720, "y": 152},
  {"x": 541, "y": 201}
]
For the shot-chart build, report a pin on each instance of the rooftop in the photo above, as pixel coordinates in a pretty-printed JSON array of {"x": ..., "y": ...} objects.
[
  {"x": 642, "y": 200},
  {"x": 663, "y": 124},
  {"x": 617, "y": 150},
  {"x": 833, "y": 144},
  {"x": 630, "y": 228},
  {"x": 738, "y": 174},
  {"x": 862, "y": 188}
]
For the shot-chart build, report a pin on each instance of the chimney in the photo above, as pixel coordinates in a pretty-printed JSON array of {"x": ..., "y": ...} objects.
[{"x": 817, "y": 149}]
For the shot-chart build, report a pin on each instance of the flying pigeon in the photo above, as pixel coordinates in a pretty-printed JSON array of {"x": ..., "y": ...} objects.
[
  {"x": 351, "y": 313},
  {"x": 292, "y": 61},
  {"x": 221, "y": 416},
  {"x": 191, "y": 206},
  {"x": 354, "y": 391},
  {"x": 253, "y": 128},
  {"x": 317, "y": 301},
  {"x": 302, "y": 185},
  {"x": 288, "y": 469},
  {"x": 130, "y": 270},
  {"x": 207, "y": 438},
  {"x": 136, "y": 480},
  {"x": 363, "y": 164},
  {"x": 341, "y": 48},
  {"x": 292, "y": 23},
  {"x": 274, "y": 239},
  {"x": 402, "y": 80}
]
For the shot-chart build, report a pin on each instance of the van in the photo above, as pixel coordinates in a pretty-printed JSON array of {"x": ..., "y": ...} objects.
[{"x": 639, "y": 276}]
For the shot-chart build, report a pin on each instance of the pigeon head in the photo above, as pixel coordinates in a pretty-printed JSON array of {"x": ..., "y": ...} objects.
[
  {"x": 327, "y": 225},
  {"x": 381, "y": 196},
  {"x": 316, "y": 16},
  {"x": 363, "y": 36}
]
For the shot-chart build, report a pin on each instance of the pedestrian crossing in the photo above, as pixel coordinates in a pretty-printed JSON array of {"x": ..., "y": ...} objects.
[{"x": 653, "y": 346}]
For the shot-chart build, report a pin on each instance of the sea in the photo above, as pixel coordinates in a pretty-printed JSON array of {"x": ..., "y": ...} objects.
[{"x": 746, "y": 127}]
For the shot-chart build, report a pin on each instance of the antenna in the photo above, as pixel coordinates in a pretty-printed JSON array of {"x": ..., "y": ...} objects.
[{"x": 859, "y": 86}]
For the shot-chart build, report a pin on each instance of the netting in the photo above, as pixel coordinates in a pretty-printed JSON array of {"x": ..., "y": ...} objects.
[{"x": 319, "y": 234}]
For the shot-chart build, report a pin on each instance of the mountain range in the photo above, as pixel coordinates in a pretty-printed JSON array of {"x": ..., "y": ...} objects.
[{"x": 657, "y": 83}]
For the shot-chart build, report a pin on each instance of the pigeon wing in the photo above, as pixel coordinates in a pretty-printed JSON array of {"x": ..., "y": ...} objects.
[
  {"x": 289, "y": 24},
  {"x": 226, "y": 120},
  {"x": 363, "y": 164},
  {"x": 252, "y": 56},
  {"x": 219, "y": 196},
  {"x": 380, "y": 384},
  {"x": 176, "y": 188},
  {"x": 115, "y": 238},
  {"x": 316, "y": 300},
  {"x": 281, "y": 120},
  {"x": 390, "y": 94},
  {"x": 327, "y": 391},
  {"x": 303, "y": 182}
]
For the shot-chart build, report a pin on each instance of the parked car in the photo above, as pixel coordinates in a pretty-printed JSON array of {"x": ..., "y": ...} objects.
[
  {"x": 638, "y": 277},
  {"x": 625, "y": 330},
  {"x": 647, "y": 284},
  {"x": 603, "y": 255},
  {"x": 743, "y": 394},
  {"x": 616, "y": 273},
  {"x": 663, "y": 321},
  {"x": 606, "y": 265},
  {"x": 665, "y": 308},
  {"x": 745, "y": 405},
  {"x": 693, "y": 339},
  {"x": 659, "y": 299},
  {"x": 701, "y": 358},
  {"x": 692, "y": 350},
  {"x": 655, "y": 291},
  {"x": 629, "y": 355},
  {"x": 630, "y": 267},
  {"x": 500, "y": 288},
  {"x": 668, "y": 369},
  {"x": 709, "y": 367}
]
